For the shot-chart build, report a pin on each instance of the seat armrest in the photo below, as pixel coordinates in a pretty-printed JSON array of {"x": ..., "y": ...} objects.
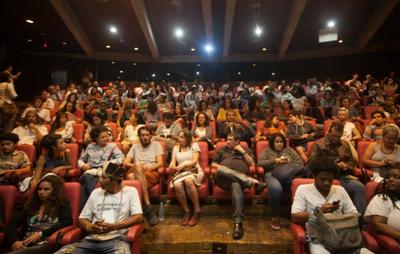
[
  {"x": 252, "y": 170},
  {"x": 134, "y": 232},
  {"x": 72, "y": 235},
  {"x": 298, "y": 232},
  {"x": 213, "y": 170},
  {"x": 207, "y": 170},
  {"x": 161, "y": 171},
  {"x": 388, "y": 243},
  {"x": 260, "y": 171},
  {"x": 370, "y": 242},
  {"x": 53, "y": 238}
]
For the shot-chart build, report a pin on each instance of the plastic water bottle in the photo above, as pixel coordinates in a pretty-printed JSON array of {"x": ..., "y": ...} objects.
[{"x": 161, "y": 212}]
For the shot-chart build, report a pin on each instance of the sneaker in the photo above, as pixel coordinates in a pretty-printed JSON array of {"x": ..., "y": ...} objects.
[
  {"x": 151, "y": 217},
  {"x": 275, "y": 223},
  {"x": 195, "y": 218},
  {"x": 186, "y": 218}
]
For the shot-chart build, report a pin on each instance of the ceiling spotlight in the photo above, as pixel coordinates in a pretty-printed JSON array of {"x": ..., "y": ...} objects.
[
  {"x": 254, "y": 65},
  {"x": 112, "y": 62},
  {"x": 29, "y": 40},
  {"x": 168, "y": 74},
  {"x": 208, "y": 48},
  {"x": 136, "y": 49},
  {"x": 273, "y": 74},
  {"x": 153, "y": 75},
  {"x": 198, "y": 65},
  {"x": 134, "y": 63},
  {"x": 178, "y": 32},
  {"x": 64, "y": 43},
  {"x": 192, "y": 49},
  {"x": 118, "y": 77},
  {"x": 197, "y": 73},
  {"x": 331, "y": 23},
  {"x": 264, "y": 49},
  {"x": 108, "y": 46},
  {"x": 258, "y": 31},
  {"x": 29, "y": 21},
  {"x": 239, "y": 73},
  {"x": 121, "y": 71},
  {"x": 340, "y": 41},
  {"x": 113, "y": 29}
]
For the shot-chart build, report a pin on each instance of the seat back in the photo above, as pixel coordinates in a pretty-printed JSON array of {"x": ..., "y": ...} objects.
[
  {"x": 30, "y": 150},
  {"x": 79, "y": 132},
  {"x": 8, "y": 193},
  {"x": 72, "y": 192},
  {"x": 361, "y": 147},
  {"x": 370, "y": 189},
  {"x": 136, "y": 184},
  {"x": 327, "y": 123},
  {"x": 299, "y": 181},
  {"x": 369, "y": 109},
  {"x": 74, "y": 149},
  {"x": 309, "y": 147},
  {"x": 259, "y": 125},
  {"x": 260, "y": 147},
  {"x": 114, "y": 129},
  {"x": 203, "y": 159}
]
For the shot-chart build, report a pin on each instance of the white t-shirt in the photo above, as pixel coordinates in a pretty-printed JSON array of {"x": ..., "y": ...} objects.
[
  {"x": 111, "y": 208},
  {"x": 27, "y": 136},
  {"x": 131, "y": 133},
  {"x": 384, "y": 208},
  {"x": 307, "y": 198},
  {"x": 348, "y": 131},
  {"x": 48, "y": 104},
  {"x": 145, "y": 155}
]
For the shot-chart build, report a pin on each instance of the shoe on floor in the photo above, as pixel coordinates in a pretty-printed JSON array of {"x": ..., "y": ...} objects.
[
  {"x": 195, "y": 218},
  {"x": 238, "y": 231},
  {"x": 275, "y": 223},
  {"x": 186, "y": 218},
  {"x": 151, "y": 217}
]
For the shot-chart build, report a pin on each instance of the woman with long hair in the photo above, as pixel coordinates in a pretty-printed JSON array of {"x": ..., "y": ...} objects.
[
  {"x": 202, "y": 131},
  {"x": 272, "y": 125},
  {"x": 284, "y": 111},
  {"x": 62, "y": 126},
  {"x": 46, "y": 211},
  {"x": 383, "y": 212},
  {"x": 203, "y": 107},
  {"x": 129, "y": 133},
  {"x": 228, "y": 105},
  {"x": 189, "y": 174}
]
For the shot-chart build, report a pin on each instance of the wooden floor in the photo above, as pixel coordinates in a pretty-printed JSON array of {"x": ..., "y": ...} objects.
[{"x": 213, "y": 234}]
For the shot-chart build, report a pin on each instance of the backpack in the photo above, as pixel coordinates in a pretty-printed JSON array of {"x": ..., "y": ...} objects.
[{"x": 336, "y": 231}]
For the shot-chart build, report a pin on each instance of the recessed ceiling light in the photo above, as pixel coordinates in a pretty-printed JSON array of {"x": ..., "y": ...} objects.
[
  {"x": 121, "y": 71},
  {"x": 273, "y": 74},
  {"x": 239, "y": 73},
  {"x": 208, "y": 48},
  {"x": 113, "y": 29},
  {"x": 198, "y": 65},
  {"x": 136, "y": 49},
  {"x": 29, "y": 40},
  {"x": 340, "y": 41},
  {"x": 264, "y": 49},
  {"x": 134, "y": 63},
  {"x": 254, "y": 65},
  {"x": 153, "y": 75},
  {"x": 64, "y": 43},
  {"x": 112, "y": 62},
  {"x": 258, "y": 31},
  {"x": 118, "y": 77},
  {"x": 179, "y": 32},
  {"x": 108, "y": 46},
  {"x": 192, "y": 49},
  {"x": 331, "y": 23},
  {"x": 168, "y": 74},
  {"x": 197, "y": 73},
  {"x": 29, "y": 21}
]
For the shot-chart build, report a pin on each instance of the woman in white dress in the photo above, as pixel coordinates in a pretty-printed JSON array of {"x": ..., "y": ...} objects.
[{"x": 188, "y": 175}]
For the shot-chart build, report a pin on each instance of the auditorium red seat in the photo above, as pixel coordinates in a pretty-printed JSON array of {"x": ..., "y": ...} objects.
[
  {"x": 361, "y": 147},
  {"x": 134, "y": 232},
  {"x": 8, "y": 194},
  {"x": 30, "y": 150},
  {"x": 156, "y": 190},
  {"x": 203, "y": 161},
  {"x": 369, "y": 109},
  {"x": 74, "y": 149},
  {"x": 79, "y": 132}
]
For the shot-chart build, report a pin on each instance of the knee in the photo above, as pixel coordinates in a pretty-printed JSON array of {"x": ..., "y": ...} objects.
[
  {"x": 130, "y": 176},
  {"x": 236, "y": 187},
  {"x": 86, "y": 178},
  {"x": 178, "y": 187},
  {"x": 189, "y": 182}
]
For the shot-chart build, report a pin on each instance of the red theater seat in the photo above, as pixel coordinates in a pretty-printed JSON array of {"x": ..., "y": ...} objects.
[{"x": 8, "y": 193}]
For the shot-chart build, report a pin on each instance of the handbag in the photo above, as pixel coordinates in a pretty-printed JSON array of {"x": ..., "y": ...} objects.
[{"x": 338, "y": 232}]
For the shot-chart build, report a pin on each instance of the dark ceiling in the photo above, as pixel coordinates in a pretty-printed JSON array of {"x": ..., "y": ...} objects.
[{"x": 83, "y": 26}]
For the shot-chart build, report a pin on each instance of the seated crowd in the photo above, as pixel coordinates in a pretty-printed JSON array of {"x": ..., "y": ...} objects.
[{"x": 153, "y": 133}]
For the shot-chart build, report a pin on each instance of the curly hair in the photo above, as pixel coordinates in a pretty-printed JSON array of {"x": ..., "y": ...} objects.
[
  {"x": 55, "y": 199},
  {"x": 383, "y": 190}
]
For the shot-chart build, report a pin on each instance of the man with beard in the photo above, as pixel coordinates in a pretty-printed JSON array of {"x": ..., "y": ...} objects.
[
  {"x": 32, "y": 131},
  {"x": 142, "y": 162}
]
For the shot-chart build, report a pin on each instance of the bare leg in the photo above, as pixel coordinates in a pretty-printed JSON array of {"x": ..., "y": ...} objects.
[
  {"x": 181, "y": 195},
  {"x": 192, "y": 193},
  {"x": 302, "y": 153},
  {"x": 139, "y": 174}
]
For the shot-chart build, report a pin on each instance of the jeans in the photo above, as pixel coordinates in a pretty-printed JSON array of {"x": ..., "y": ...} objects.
[
  {"x": 356, "y": 191},
  {"x": 275, "y": 190},
  {"x": 234, "y": 181},
  {"x": 86, "y": 246},
  {"x": 88, "y": 182}
]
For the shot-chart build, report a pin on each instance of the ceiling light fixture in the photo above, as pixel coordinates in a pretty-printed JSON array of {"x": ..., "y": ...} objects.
[
  {"x": 29, "y": 40},
  {"x": 254, "y": 65},
  {"x": 64, "y": 43},
  {"x": 331, "y": 24},
  {"x": 197, "y": 73},
  {"x": 29, "y": 21},
  {"x": 208, "y": 48},
  {"x": 192, "y": 49},
  {"x": 113, "y": 29},
  {"x": 239, "y": 73},
  {"x": 168, "y": 74},
  {"x": 198, "y": 65},
  {"x": 108, "y": 46},
  {"x": 273, "y": 74},
  {"x": 121, "y": 71},
  {"x": 153, "y": 75},
  {"x": 179, "y": 32},
  {"x": 136, "y": 49},
  {"x": 258, "y": 31},
  {"x": 264, "y": 49},
  {"x": 340, "y": 41},
  {"x": 134, "y": 63},
  {"x": 112, "y": 62}
]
